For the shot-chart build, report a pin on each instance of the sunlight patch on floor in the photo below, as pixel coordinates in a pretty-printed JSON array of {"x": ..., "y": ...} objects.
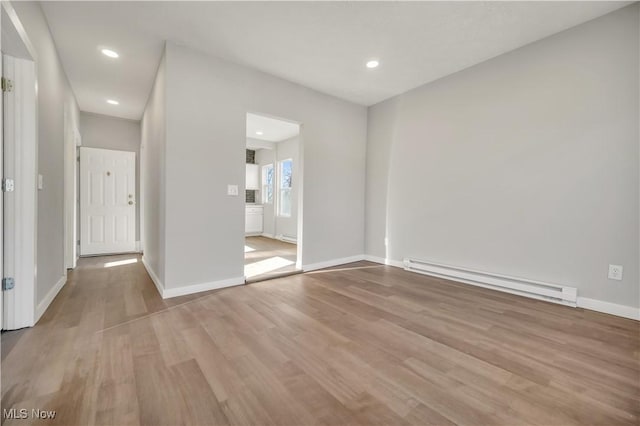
[
  {"x": 120, "y": 262},
  {"x": 266, "y": 266},
  {"x": 248, "y": 249}
]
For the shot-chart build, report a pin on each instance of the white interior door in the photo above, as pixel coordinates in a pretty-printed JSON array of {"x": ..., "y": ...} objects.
[
  {"x": 107, "y": 201},
  {"x": 1, "y": 204},
  {"x": 19, "y": 162},
  {"x": 19, "y": 198}
]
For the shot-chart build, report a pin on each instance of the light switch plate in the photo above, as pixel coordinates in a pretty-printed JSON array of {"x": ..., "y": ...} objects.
[
  {"x": 40, "y": 182},
  {"x": 232, "y": 189},
  {"x": 615, "y": 272}
]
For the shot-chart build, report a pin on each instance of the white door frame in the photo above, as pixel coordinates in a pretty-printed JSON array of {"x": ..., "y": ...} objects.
[
  {"x": 300, "y": 184},
  {"x": 20, "y": 161},
  {"x": 71, "y": 142}
]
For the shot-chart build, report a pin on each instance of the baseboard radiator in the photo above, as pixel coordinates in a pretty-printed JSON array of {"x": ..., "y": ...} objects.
[
  {"x": 287, "y": 239},
  {"x": 556, "y": 293}
]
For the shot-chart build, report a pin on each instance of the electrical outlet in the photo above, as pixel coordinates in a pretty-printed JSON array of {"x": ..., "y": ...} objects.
[{"x": 615, "y": 272}]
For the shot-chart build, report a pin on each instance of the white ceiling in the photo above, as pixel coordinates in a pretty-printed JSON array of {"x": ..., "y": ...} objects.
[
  {"x": 322, "y": 45},
  {"x": 271, "y": 129}
]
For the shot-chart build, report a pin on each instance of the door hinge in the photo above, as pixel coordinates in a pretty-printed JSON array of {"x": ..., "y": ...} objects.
[
  {"x": 8, "y": 283},
  {"x": 8, "y": 185},
  {"x": 7, "y": 85}
]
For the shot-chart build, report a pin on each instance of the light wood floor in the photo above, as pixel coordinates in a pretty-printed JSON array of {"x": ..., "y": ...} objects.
[
  {"x": 361, "y": 344},
  {"x": 267, "y": 257}
]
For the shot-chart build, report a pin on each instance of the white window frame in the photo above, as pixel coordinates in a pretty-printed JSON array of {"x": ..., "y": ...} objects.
[
  {"x": 281, "y": 190},
  {"x": 265, "y": 184}
]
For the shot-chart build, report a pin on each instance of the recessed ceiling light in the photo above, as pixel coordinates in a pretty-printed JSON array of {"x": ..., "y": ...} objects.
[
  {"x": 259, "y": 133},
  {"x": 373, "y": 63},
  {"x": 112, "y": 102},
  {"x": 110, "y": 53}
]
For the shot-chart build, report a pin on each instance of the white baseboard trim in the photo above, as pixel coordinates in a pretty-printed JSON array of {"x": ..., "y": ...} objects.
[
  {"x": 44, "y": 304},
  {"x": 582, "y": 302},
  {"x": 267, "y": 235},
  {"x": 333, "y": 262},
  {"x": 383, "y": 261},
  {"x": 159, "y": 285},
  {"x": 167, "y": 293},
  {"x": 197, "y": 288},
  {"x": 609, "y": 308}
]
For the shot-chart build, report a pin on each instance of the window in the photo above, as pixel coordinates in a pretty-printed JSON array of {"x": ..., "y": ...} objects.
[
  {"x": 267, "y": 184},
  {"x": 284, "y": 202}
]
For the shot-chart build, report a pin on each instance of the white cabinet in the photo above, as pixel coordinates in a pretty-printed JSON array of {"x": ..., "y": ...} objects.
[
  {"x": 253, "y": 220},
  {"x": 253, "y": 176}
]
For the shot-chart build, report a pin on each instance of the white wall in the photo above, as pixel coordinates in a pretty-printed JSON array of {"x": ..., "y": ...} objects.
[
  {"x": 54, "y": 92},
  {"x": 102, "y": 131},
  {"x": 152, "y": 176},
  {"x": 207, "y": 102},
  {"x": 526, "y": 164}
]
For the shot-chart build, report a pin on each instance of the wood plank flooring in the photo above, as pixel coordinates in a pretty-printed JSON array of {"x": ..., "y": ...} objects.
[
  {"x": 266, "y": 258},
  {"x": 361, "y": 344}
]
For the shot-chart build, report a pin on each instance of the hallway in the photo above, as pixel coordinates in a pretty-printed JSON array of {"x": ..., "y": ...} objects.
[{"x": 73, "y": 361}]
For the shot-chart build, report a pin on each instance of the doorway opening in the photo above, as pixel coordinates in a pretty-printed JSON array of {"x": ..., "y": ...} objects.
[{"x": 273, "y": 195}]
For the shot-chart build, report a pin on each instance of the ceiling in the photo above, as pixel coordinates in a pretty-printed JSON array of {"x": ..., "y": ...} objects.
[
  {"x": 321, "y": 45},
  {"x": 270, "y": 129}
]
